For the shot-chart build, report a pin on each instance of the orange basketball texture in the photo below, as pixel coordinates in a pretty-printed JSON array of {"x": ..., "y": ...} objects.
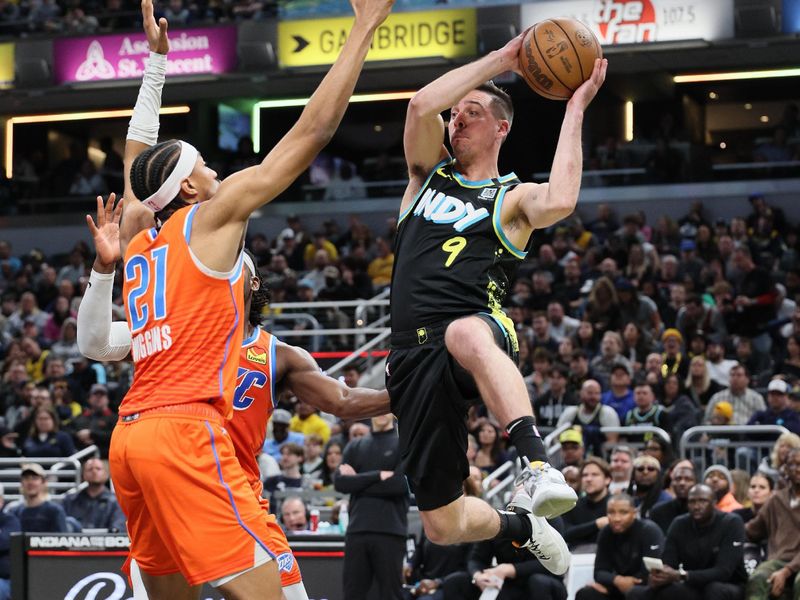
[{"x": 557, "y": 56}]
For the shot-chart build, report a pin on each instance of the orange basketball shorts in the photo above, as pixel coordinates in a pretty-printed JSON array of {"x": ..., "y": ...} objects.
[
  {"x": 287, "y": 565},
  {"x": 189, "y": 506}
]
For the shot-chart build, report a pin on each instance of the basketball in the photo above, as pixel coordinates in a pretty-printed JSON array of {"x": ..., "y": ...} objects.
[{"x": 557, "y": 56}]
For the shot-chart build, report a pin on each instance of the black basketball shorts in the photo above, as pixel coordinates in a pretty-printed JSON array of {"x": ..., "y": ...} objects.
[{"x": 430, "y": 395}]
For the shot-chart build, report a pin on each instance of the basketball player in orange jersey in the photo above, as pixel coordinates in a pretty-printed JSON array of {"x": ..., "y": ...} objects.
[
  {"x": 466, "y": 228},
  {"x": 266, "y": 365},
  {"x": 192, "y": 515}
]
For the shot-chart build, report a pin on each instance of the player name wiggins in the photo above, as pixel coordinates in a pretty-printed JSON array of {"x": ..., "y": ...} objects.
[{"x": 149, "y": 342}]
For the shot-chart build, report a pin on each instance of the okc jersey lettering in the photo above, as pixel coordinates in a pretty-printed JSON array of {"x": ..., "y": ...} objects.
[
  {"x": 246, "y": 381},
  {"x": 443, "y": 209}
]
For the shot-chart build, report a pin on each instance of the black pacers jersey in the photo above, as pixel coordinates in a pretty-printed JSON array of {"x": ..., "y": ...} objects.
[{"x": 452, "y": 258}]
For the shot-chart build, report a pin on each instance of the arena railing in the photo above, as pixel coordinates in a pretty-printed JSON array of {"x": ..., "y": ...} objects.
[
  {"x": 370, "y": 320},
  {"x": 734, "y": 446},
  {"x": 63, "y": 473}
]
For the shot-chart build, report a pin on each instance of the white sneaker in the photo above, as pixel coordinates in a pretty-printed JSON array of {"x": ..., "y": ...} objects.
[
  {"x": 548, "y": 546},
  {"x": 547, "y": 488}
]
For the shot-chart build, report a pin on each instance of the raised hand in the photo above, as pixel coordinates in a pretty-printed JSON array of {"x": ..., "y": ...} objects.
[
  {"x": 156, "y": 32},
  {"x": 510, "y": 53},
  {"x": 589, "y": 88},
  {"x": 371, "y": 12},
  {"x": 105, "y": 233}
]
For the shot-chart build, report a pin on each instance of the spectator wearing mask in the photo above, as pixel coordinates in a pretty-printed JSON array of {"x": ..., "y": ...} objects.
[
  {"x": 95, "y": 506},
  {"x": 591, "y": 415},
  {"x": 307, "y": 421},
  {"x": 745, "y": 402},
  {"x": 584, "y": 522},
  {"x": 281, "y": 434},
  {"x": 683, "y": 479},
  {"x": 779, "y": 522},
  {"x": 619, "y": 396},
  {"x": 646, "y": 487},
  {"x": 703, "y": 554},
  {"x": 621, "y": 469},
  {"x": 720, "y": 480},
  {"x": 619, "y": 570},
  {"x": 375, "y": 541},
  {"x": 36, "y": 513}
]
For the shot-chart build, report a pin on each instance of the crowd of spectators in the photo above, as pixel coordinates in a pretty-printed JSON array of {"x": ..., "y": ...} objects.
[
  {"x": 620, "y": 322},
  {"x": 26, "y": 17}
]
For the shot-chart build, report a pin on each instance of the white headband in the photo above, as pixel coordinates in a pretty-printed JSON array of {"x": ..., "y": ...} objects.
[
  {"x": 249, "y": 262},
  {"x": 170, "y": 188}
]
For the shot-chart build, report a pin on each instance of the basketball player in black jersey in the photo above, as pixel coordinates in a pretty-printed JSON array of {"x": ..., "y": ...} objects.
[{"x": 463, "y": 229}]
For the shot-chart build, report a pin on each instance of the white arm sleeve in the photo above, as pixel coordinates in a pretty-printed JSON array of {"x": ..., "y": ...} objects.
[
  {"x": 98, "y": 337},
  {"x": 143, "y": 126}
]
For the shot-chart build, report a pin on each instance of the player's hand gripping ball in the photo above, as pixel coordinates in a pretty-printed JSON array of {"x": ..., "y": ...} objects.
[{"x": 557, "y": 56}]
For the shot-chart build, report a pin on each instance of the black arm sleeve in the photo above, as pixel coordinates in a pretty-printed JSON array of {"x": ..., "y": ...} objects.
[{"x": 393, "y": 486}]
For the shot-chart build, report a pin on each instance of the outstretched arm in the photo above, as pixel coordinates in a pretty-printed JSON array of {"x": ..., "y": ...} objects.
[
  {"x": 301, "y": 373},
  {"x": 144, "y": 124},
  {"x": 241, "y": 193},
  {"x": 546, "y": 204},
  {"x": 98, "y": 337}
]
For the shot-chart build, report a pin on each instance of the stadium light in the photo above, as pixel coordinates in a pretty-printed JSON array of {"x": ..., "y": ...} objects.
[
  {"x": 76, "y": 116},
  {"x": 736, "y": 75},
  {"x": 289, "y": 102},
  {"x": 629, "y": 121}
]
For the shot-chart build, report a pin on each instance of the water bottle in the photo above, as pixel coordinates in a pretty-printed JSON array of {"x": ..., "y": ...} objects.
[{"x": 344, "y": 519}]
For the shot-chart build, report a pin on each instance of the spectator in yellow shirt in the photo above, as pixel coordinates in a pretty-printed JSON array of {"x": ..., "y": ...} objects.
[
  {"x": 320, "y": 242},
  {"x": 307, "y": 421},
  {"x": 380, "y": 269}
]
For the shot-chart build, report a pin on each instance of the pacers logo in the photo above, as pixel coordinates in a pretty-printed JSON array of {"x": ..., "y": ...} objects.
[{"x": 625, "y": 21}]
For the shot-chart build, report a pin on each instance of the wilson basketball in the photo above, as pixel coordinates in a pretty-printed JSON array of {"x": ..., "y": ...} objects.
[{"x": 557, "y": 56}]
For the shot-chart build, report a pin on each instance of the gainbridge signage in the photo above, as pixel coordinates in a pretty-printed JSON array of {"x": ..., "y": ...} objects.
[
  {"x": 105, "y": 57},
  {"x": 445, "y": 33},
  {"x": 641, "y": 21}
]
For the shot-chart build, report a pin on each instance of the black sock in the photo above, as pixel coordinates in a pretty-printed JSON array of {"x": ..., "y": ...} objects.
[
  {"x": 526, "y": 439},
  {"x": 514, "y": 527}
]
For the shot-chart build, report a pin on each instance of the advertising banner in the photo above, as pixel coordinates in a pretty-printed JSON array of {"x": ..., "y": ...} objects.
[
  {"x": 106, "y": 57},
  {"x": 83, "y": 567},
  {"x": 446, "y": 33},
  {"x": 638, "y": 21}
]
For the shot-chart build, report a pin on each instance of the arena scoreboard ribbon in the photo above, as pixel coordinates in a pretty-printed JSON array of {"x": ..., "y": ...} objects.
[{"x": 445, "y": 33}]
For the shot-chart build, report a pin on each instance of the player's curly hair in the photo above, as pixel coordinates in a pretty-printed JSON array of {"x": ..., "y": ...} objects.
[
  {"x": 261, "y": 297},
  {"x": 150, "y": 170}
]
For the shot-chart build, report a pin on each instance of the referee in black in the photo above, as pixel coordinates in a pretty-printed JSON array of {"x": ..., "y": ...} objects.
[{"x": 375, "y": 542}]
